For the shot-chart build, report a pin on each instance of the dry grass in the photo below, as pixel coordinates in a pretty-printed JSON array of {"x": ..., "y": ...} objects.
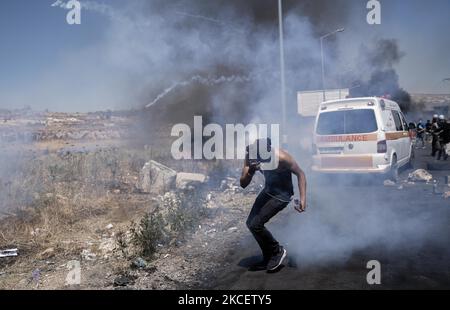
[
  {"x": 176, "y": 215},
  {"x": 55, "y": 198},
  {"x": 46, "y": 196}
]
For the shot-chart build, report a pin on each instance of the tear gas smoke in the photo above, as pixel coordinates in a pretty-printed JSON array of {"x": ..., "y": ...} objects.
[{"x": 151, "y": 44}]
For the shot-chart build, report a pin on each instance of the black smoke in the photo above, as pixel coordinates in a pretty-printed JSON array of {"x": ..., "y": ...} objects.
[
  {"x": 383, "y": 80},
  {"x": 242, "y": 39}
]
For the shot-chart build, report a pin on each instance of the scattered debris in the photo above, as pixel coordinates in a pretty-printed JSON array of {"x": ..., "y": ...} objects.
[
  {"x": 107, "y": 246},
  {"x": 156, "y": 178},
  {"x": 109, "y": 226},
  {"x": 232, "y": 229},
  {"x": 210, "y": 231},
  {"x": 48, "y": 253},
  {"x": 420, "y": 175},
  {"x": 123, "y": 280},
  {"x": 86, "y": 254},
  {"x": 9, "y": 253},
  {"x": 389, "y": 183},
  {"x": 139, "y": 263},
  {"x": 183, "y": 179},
  {"x": 211, "y": 205},
  {"x": 35, "y": 277},
  {"x": 35, "y": 232},
  {"x": 223, "y": 185}
]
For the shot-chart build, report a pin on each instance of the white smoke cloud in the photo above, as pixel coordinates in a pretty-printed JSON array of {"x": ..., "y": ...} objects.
[{"x": 151, "y": 48}]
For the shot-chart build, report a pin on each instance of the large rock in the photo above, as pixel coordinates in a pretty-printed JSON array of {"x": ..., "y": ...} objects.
[
  {"x": 156, "y": 178},
  {"x": 185, "y": 179},
  {"x": 420, "y": 175}
]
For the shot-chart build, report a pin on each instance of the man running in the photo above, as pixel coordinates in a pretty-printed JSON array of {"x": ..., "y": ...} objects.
[{"x": 275, "y": 196}]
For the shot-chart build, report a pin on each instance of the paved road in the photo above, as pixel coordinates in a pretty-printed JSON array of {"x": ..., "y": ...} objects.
[{"x": 350, "y": 222}]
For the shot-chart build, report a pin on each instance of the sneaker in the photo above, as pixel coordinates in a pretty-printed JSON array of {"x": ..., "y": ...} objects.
[
  {"x": 277, "y": 259},
  {"x": 259, "y": 266}
]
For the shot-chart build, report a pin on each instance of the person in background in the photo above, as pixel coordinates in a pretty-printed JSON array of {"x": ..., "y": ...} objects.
[
  {"x": 443, "y": 138},
  {"x": 428, "y": 131},
  {"x": 420, "y": 130},
  {"x": 434, "y": 130}
]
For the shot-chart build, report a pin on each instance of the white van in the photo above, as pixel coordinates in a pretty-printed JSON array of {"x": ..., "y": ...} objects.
[{"x": 361, "y": 135}]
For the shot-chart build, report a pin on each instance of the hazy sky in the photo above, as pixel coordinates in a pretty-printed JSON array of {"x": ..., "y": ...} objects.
[{"x": 46, "y": 63}]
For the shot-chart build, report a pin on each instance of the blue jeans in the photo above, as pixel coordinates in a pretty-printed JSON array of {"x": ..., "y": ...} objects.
[{"x": 264, "y": 208}]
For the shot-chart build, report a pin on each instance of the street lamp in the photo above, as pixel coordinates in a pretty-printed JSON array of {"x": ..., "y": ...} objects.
[{"x": 321, "y": 53}]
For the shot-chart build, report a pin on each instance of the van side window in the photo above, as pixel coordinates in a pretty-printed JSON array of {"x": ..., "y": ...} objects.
[
  {"x": 397, "y": 121},
  {"x": 405, "y": 124}
]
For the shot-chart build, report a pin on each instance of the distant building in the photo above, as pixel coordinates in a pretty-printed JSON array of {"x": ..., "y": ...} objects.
[{"x": 434, "y": 103}]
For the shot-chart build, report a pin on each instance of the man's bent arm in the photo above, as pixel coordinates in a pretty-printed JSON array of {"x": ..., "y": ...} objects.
[
  {"x": 246, "y": 176},
  {"x": 295, "y": 168}
]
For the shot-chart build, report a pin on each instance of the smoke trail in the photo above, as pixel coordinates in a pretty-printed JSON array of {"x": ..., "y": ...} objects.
[
  {"x": 211, "y": 20},
  {"x": 93, "y": 6},
  {"x": 201, "y": 80}
]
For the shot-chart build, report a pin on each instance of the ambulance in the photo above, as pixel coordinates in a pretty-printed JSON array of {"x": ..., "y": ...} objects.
[{"x": 361, "y": 135}]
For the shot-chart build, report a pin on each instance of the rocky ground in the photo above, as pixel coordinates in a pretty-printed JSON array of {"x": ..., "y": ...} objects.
[{"x": 186, "y": 263}]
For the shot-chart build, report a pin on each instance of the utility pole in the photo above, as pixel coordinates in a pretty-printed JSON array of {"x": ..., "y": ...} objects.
[{"x": 282, "y": 71}]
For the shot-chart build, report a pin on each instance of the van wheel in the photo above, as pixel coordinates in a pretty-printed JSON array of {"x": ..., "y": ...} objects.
[{"x": 393, "y": 174}]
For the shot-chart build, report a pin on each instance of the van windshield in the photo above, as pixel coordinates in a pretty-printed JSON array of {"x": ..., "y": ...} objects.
[{"x": 347, "y": 122}]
